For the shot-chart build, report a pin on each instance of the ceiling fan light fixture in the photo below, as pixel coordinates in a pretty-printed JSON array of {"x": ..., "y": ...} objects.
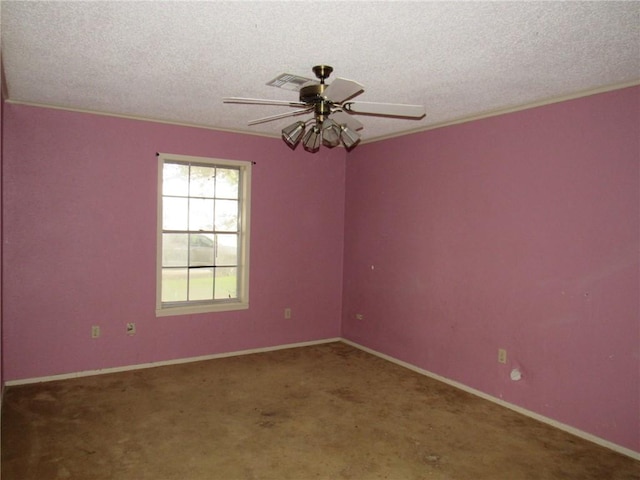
[
  {"x": 312, "y": 139},
  {"x": 321, "y": 100},
  {"x": 330, "y": 133},
  {"x": 293, "y": 134},
  {"x": 349, "y": 137}
]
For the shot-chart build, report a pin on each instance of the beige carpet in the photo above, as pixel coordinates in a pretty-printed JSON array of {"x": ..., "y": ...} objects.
[{"x": 320, "y": 412}]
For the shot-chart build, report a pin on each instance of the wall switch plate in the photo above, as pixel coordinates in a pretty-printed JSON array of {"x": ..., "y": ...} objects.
[
  {"x": 131, "y": 328},
  {"x": 95, "y": 331},
  {"x": 502, "y": 355},
  {"x": 287, "y": 313}
]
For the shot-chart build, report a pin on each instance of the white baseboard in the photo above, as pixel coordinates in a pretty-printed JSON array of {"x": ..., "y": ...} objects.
[
  {"x": 541, "y": 418},
  {"x": 549, "y": 421},
  {"x": 140, "y": 366}
]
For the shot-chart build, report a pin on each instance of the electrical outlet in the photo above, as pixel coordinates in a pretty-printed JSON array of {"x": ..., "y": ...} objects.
[
  {"x": 287, "y": 313},
  {"x": 95, "y": 331},
  {"x": 502, "y": 355},
  {"x": 131, "y": 328},
  {"x": 359, "y": 316}
]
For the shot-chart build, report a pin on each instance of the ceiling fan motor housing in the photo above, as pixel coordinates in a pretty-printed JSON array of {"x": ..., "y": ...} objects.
[{"x": 312, "y": 95}]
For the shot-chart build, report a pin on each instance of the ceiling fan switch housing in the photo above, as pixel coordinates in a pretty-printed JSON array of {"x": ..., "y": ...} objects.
[{"x": 322, "y": 110}]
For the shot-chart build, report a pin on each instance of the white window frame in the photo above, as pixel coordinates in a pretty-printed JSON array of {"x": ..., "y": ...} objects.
[{"x": 242, "y": 302}]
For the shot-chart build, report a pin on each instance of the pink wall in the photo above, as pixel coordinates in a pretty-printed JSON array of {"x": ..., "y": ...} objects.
[
  {"x": 517, "y": 232},
  {"x": 520, "y": 232},
  {"x": 79, "y": 243}
]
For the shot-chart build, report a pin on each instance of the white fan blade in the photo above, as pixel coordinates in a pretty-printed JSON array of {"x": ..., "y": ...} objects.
[
  {"x": 348, "y": 120},
  {"x": 342, "y": 89},
  {"x": 261, "y": 101},
  {"x": 389, "y": 109},
  {"x": 281, "y": 115}
]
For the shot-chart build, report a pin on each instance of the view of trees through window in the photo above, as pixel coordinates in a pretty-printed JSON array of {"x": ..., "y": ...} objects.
[{"x": 200, "y": 232}]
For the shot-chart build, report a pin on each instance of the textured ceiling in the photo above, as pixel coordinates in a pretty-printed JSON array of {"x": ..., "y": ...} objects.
[{"x": 174, "y": 61}]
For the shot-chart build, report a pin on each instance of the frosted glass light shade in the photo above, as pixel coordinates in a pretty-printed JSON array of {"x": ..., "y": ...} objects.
[
  {"x": 312, "y": 139},
  {"x": 349, "y": 138},
  {"x": 330, "y": 133},
  {"x": 293, "y": 133}
]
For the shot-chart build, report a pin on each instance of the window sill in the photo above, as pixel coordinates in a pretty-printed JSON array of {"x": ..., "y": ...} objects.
[{"x": 193, "y": 309}]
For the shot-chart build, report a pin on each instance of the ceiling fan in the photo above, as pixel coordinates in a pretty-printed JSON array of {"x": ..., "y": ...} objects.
[{"x": 332, "y": 109}]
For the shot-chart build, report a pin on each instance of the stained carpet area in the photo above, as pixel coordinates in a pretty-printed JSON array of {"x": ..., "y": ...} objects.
[{"x": 321, "y": 412}]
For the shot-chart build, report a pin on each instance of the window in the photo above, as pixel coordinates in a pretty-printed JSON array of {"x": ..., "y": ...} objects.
[{"x": 203, "y": 235}]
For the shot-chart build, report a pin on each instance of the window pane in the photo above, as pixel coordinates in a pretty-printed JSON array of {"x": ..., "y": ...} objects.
[
  {"x": 201, "y": 284},
  {"x": 226, "y": 215},
  {"x": 202, "y": 181},
  {"x": 175, "y": 179},
  {"x": 226, "y": 283},
  {"x": 175, "y": 212},
  {"x": 227, "y": 183},
  {"x": 201, "y": 214},
  {"x": 227, "y": 251},
  {"x": 202, "y": 234},
  {"x": 174, "y": 249},
  {"x": 201, "y": 250},
  {"x": 174, "y": 284}
]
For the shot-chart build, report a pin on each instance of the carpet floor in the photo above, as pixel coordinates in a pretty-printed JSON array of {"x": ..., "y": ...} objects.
[{"x": 321, "y": 412}]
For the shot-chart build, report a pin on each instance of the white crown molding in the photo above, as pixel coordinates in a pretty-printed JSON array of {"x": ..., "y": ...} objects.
[
  {"x": 137, "y": 118},
  {"x": 493, "y": 113},
  {"x": 504, "y": 111}
]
